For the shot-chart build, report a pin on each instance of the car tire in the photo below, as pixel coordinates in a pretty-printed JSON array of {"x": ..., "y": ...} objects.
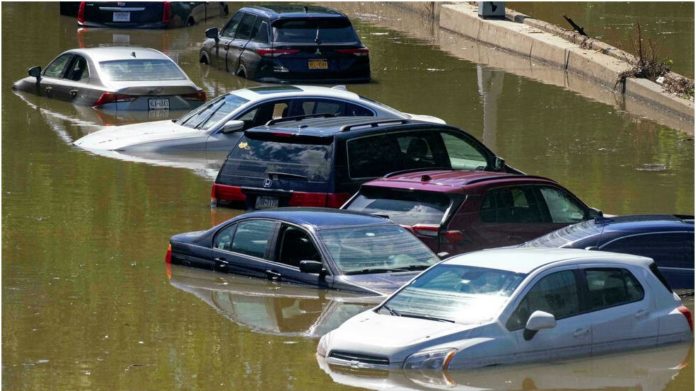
[
  {"x": 204, "y": 59},
  {"x": 241, "y": 71},
  {"x": 190, "y": 21}
]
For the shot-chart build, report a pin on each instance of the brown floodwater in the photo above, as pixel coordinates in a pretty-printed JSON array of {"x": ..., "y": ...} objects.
[{"x": 88, "y": 304}]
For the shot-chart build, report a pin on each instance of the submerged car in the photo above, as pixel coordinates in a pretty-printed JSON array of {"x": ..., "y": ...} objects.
[
  {"x": 508, "y": 306},
  {"x": 324, "y": 248},
  {"x": 147, "y": 14},
  {"x": 457, "y": 211},
  {"x": 115, "y": 79},
  {"x": 288, "y": 43},
  {"x": 667, "y": 239},
  {"x": 218, "y": 125},
  {"x": 322, "y": 161}
]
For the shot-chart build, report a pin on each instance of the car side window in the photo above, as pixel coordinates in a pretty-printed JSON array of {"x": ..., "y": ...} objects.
[
  {"x": 245, "y": 27},
  {"x": 562, "y": 208},
  {"x": 373, "y": 156},
  {"x": 357, "y": 111},
  {"x": 260, "y": 31},
  {"x": 253, "y": 238},
  {"x": 264, "y": 113},
  {"x": 78, "y": 69},
  {"x": 611, "y": 287},
  {"x": 556, "y": 293},
  {"x": 417, "y": 150},
  {"x": 223, "y": 239},
  {"x": 512, "y": 205},
  {"x": 462, "y": 154},
  {"x": 231, "y": 27},
  {"x": 666, "y": 249},
  {"x": 57, "y": 67},
  {"x": 295, "y": 245}
]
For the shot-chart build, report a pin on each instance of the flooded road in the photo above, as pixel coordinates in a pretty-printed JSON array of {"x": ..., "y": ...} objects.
[{"x": 87, "y": 303}]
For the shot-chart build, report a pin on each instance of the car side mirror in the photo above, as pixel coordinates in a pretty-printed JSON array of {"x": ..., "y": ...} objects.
[
  {"x": 213, "y": 33},
  {"x": 312, "y": 267},
  {"x": 594, "y": 213},
  {"x": 499, "y": 164},
  {"x": 539, "y": 320},
  {"x": 232, "y": 125},
  {"x": 35, "y": 72}
]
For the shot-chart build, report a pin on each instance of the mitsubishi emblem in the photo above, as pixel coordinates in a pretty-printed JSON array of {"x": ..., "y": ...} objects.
[{"x": 318, "y": 52}]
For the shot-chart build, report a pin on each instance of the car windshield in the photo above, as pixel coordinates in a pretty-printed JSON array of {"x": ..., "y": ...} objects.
[
  {"x": 402, "y": 207},
  {"x": 213, "y": 112},
  {"x": 455, "y": 293},
  {"x": 141, "y": 70},
  {"x": 314, "y": 31},
  {"x": 376, "y": 249},
  {"x": 566, "y": 235}
]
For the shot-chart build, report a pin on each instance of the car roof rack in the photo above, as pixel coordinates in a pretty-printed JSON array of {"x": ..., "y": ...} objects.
[
  {"x": 299, "y": 117},
  {"x": 374, "y": 124},
  {"x": 394, "y": 173},
  {"x": 510, "y": 175}
]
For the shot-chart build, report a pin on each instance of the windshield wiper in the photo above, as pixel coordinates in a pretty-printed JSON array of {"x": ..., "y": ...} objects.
[
  {"x": 286, "y": 174},
  {"x": 412, "y": 267},
  {"x": 392, "y": 312},
  {"x": 370, "y": 270},
  {"x": 419, "y": 316}
]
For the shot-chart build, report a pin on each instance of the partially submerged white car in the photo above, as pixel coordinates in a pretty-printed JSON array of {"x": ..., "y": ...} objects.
[
  {"x": 218, "y": 124},
  {"x": 507, "y": 306}
]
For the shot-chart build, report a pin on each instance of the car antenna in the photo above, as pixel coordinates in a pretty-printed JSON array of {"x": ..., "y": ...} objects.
[
  {"x": 133, "y": 54},
  {"x": 306, "y": 10}
]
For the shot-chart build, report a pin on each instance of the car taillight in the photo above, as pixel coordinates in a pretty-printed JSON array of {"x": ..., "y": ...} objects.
[
  {"x": 336, "y": 200},
  {"x": 307, "y": 199},
  {"x": 360, "y": 52},
  {"x": 276, "y": 52},
  {"x": 166, "y": 12},
  {"x": 168, "y": 255},
  {"x": 110, "y": 97},
  {"x": 687, "y": 314},
  {"x": 81, "y": 13},
  {"x": 429, "y": 230},
  {"x": 225, "y": 193},
  {"x": 452, "y": 236},
  {"x": 200, "y": 95}
]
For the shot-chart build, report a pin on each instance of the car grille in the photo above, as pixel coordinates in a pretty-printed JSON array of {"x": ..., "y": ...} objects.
[{"x": 363, "y": 358}]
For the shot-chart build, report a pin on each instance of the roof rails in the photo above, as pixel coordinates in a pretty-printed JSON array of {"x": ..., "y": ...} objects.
[
  {"x": 299, "y": 117},
  {"x": 511, "y": 175},
  {"x": 400, "y": 172},
  {"x": 374, "y": 124}
]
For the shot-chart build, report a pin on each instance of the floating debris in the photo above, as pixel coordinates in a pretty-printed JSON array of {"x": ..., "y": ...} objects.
[{"x": 653, "y": 167}]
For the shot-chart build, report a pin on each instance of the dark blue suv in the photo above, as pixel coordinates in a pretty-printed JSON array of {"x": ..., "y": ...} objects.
[
  {"x": 322, "y": 161},
  {"x": 667, "y": 239},
  {"x": 288, "y": 43}
]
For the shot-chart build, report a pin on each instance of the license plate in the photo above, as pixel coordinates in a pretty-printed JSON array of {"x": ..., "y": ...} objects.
[
  {"x": 265, "y": 202},
  {"x": 158, "y": 104},
  {"x": 121, "y": 16},
  {"x": 318, "y": 64}
]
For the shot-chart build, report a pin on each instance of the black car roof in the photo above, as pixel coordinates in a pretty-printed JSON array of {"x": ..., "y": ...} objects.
[
  {"x": 646, "y": 223},
  {"x": 319, "y": 218},
  {"x": 328, "y": 127},
  {"x": 288, "y": 10}
]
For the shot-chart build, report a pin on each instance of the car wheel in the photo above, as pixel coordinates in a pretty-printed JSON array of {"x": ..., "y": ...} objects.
[
  {"x": 204, "y": 58},
  {"x": 190, "y": 21},
  {"x": 241, "y": 72}
]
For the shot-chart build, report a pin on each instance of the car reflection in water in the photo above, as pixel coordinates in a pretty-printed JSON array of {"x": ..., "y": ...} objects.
[
  {"x": 269, "y": 307},
  {"x": 648, "y": 369}
]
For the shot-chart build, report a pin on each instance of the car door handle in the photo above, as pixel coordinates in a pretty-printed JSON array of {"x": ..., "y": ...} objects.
[
  {"x": 641, "y": 314},
  {"x": 221, "y": 260},
  {"x": 73, "y": 93},
  {"x": 48, "y": 89},
  {"x": 581, "y": 333},
  {"x": 273, "y": 275}
]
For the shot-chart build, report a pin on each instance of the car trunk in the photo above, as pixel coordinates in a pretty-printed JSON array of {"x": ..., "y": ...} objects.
[{"x": 124, "y": 14}]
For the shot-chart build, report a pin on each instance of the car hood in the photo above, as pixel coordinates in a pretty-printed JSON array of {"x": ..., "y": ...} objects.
[
  {"x": 395, "y": 337},
  {"x": 125, "y": 136},
  {"x": 381, "y": 283}
]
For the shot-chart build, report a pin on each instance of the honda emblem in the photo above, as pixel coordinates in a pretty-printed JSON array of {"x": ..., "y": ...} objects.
[{"x": 267, "y": 183}]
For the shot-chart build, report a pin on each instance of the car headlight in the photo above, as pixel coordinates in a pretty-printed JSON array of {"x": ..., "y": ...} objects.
[
  {"x": 323, "y": 346},
  {"x": 430, "y": 359}
]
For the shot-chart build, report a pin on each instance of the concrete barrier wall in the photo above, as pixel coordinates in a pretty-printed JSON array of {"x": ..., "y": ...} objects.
[{"x": 580, "y": 68}]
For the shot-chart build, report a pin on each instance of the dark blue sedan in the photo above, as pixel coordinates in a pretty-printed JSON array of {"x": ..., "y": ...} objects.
[
  {"x": 325, "y": 248},
  {"x": 667, "y": 239}
]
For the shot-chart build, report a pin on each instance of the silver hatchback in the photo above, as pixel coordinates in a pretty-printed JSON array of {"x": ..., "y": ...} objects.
[{"x": 115, "y": 79}]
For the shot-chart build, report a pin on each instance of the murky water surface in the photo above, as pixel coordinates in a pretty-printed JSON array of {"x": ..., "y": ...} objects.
[{"x": 87, "y": 302}]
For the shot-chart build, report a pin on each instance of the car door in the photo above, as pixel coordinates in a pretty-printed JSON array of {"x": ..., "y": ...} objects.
[
  {"x": 245, "y": 247},
  {"x": 73, "y": 86},
  {"x": 556, "y": 292},
  {"x": 237, "y": 45},
  {"x": 225, "y": 39},
  {"x": 294, "y": 245},
  {"x": 506, "y": 215},
  {"x": 254, "y": 116},
  {"x": 619, "y": 309},
  {"x": 51, "y": 84}
]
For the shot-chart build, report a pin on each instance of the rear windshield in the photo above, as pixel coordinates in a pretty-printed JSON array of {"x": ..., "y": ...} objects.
[
  {"x": 137, "y": 70},
  {"x": 301, "y": 160},
  {"x": 318, "y": 31},
  {"x": 405, "y": 208},
  {"x": 566, "y": 235}
]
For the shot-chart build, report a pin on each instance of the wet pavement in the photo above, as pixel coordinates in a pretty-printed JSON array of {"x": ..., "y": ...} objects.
[{"x": 87, "y": 302}]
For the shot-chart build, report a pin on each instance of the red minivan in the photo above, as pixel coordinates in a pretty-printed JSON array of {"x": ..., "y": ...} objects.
[{"x": 459, "y": 211}]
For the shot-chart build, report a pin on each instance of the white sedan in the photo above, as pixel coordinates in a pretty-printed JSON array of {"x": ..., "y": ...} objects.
[
  {"x": 513, "y": 305},
  {"x": 218, "y": 125}
]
